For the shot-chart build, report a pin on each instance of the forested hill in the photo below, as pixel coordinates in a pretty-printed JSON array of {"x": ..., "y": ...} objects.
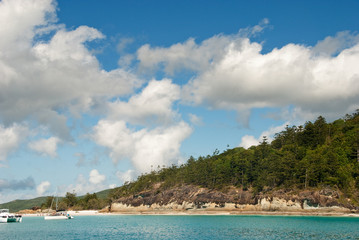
[{"x": 314, "y": 156}]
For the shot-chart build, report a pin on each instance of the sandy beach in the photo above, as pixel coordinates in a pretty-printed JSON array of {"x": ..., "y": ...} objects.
[{"x": 200, "y": 212}]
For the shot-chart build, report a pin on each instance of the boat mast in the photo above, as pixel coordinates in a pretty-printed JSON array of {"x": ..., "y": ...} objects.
[{"x": 52, "y": 202}]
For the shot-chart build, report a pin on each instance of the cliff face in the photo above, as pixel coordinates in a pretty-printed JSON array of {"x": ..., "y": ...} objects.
[{"x": 187, "y": 198}]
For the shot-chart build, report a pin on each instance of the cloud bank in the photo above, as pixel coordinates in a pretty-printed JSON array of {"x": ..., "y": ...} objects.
[
  {"x": 232, "y": 73},
  {"x": 46, "y": 147},
  {"x": 42, "y": 79},
  {"x": 27, "y": 183},
  {"x": 43, "y": 187},
  {"x": 10, "y": 139}
]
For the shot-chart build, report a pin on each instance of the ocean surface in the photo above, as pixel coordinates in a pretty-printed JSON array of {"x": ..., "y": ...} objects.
[{"x": 183, "y": 227}]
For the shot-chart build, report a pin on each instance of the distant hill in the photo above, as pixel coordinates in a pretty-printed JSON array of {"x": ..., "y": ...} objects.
[
  {"x": 17, "y": 205},
  {"x": 103, "y": 194}
]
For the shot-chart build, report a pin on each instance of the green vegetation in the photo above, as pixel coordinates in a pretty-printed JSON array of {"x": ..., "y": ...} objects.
[
  {"x": 316, "y": 155},
  {"x": 89, "y": 201},
  {"x": 70, "y": 201},
  {"x": 17, "y": 205}
]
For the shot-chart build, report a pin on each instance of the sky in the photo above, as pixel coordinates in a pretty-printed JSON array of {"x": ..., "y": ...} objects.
[{"x": 94, "y": 93}]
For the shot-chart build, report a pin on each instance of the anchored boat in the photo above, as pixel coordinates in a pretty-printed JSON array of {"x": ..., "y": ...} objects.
[
  {"x": 6, "y": 216},
  {"x": 59, "y": 214}
]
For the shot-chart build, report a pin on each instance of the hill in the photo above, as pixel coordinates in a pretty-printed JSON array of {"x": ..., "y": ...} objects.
[
  {"x": 17, "y": 205},
  {"x": 308, "y": 164}
]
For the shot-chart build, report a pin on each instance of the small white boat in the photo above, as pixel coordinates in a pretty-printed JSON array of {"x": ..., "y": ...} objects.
[
  {"x": 6, "y": 216},
  {"x": 59, "y": 216}
]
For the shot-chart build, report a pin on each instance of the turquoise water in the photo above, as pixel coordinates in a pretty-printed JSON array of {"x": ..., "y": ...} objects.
[{"x": 184, "y": 227}]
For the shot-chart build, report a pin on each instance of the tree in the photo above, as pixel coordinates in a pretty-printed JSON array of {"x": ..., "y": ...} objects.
[
  {"x": 47, "y": 203},
  {"x": 70, "y": 199}
]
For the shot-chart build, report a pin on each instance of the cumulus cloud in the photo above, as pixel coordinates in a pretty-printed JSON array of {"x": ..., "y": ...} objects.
[
  {"x": 83, "y": 185},
  {"x": 41, "y": 79},
  {"x": 331, "y": 46},
  {"x": 248, "y": 140},
  {"x": 27, "y": 183},
  {"x": 20, "y": 20},
  {"x": 46, "y": 147},
  {"x": 193, "y": 56},
  {"x": 10, "y": 139},
  {"x": 158, "y": 132},
  {"x": 187, "y": 55},
  {"x": 96, "y": 177},
  {"x": 127, "y": 176},
  {"x": 231, "y": 72},
  {"x": 152, "y": 106},
  {"x": 145, "y": 147},
  {"x": 43, "y": 187}
]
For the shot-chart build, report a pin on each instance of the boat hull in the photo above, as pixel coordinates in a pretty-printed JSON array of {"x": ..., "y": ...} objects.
[
  {"x": 10, "y": 219},
  {"x": 7, "y": 217},
  {"x": 57, "y": 217}
]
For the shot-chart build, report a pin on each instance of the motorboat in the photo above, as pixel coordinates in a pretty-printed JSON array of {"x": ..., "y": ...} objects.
[{"x": 6, "y": 216}]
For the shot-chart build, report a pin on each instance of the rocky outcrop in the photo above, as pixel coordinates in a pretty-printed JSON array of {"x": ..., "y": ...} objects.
[{"x": 233, "y": 200}]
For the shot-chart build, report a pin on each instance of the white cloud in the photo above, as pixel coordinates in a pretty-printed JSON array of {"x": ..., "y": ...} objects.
[
  {"x": 248, "y": 140},
  {"x": 195, "y": 119},
  {"x": 27, "y": 183},
  {"x": 43, "y": 187},
  {"x": 193, "y": 56},
  {"x": 20, "y": 20},
  {"x": 47, "y": 147},
  {"x": 152, "y": 106},
  {"x": 159, "y": 146},
  {"x": 40, "y": 80},
  {"x": 127, "y": 176},
  {"x": 10, "y": 139},
  {"x": 232, "y": 73},
  {"x": 158, "y": 135},
  {"x": 94, "y": 183},
  {"x": 188, "y": 55},
  {"x": 284, "y": 76},
  {"x": 333, "y": 45},
  {"x": 96, "y": 177}
]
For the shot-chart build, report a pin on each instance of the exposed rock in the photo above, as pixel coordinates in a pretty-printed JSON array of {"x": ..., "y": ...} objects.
[{"x": 186, "y": 198}]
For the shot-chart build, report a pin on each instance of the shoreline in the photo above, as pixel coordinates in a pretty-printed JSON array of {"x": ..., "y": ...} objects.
[{"x": 201, "y": 213}]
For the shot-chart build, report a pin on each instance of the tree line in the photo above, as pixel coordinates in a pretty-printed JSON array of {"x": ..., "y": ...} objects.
[{"x": 71, "y": 201}]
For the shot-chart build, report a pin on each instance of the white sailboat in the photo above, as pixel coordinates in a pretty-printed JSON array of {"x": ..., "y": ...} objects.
[
  {"x": 57, "y": 215},
  {"x": 6, "y": 216}
]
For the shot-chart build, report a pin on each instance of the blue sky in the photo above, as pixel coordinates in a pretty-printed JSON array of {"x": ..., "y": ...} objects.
[{"x": 94, "y": 93}]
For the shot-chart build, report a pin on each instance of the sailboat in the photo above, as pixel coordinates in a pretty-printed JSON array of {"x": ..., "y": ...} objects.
[{"x": 58, "y": 214}]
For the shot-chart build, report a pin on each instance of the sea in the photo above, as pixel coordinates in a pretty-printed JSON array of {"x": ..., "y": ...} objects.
[{"x": 183, "y": 227}]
